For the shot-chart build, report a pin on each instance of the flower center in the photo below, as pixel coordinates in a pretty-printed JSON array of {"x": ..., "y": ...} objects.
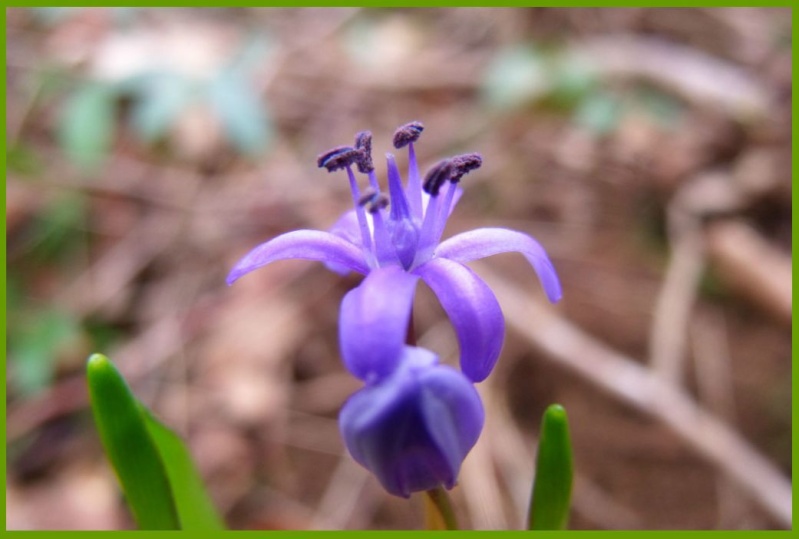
[{"x": 404, "y": 232}]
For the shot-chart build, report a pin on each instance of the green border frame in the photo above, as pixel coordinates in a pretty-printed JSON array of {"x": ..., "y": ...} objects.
[{"x": 479, "y": 3}]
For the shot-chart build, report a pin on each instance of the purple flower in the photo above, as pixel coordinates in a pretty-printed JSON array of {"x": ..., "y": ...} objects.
[
  {"x": 397, "y": 244},
  {"x": 413, "y": 428}
]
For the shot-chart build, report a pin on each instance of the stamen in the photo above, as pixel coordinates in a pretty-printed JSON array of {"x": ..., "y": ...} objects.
[
  {"x": 407, "y": 133},
  {"x": 338, "y": 158},
  {"x": 373, "y": 201},
  {"x": 463, "y": 164},
  {"x": 363, "y": 143},
  {"x": 399, "y": 204},
  {"x": 414, "y": 188},
  {"x": 366, "y": 197},
  {"x": 436, "y": 176},
  {"x": 377, "y": 203}
]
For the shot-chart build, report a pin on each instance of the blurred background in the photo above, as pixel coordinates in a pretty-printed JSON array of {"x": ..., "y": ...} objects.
[{"x": 648, "y": 150}]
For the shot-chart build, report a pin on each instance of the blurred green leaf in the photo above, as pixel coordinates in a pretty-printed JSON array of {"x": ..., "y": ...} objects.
[
  {"x": 516, "y": 76},
  {"x": 36, "y": 347},
  {"x": 195, "y": 509},
  {"x": 161, "y": 483},
  {"x": 54, "y": 15},
  {"x": 160, "y": 98},
  {"x": 665, "y": 109},
  {"x": 549, "y": 506},
  {"x": 59, "y": 227},
  {"x": 102, "y": 334},
  {"x": 242, "y": 113},
  {"x": 130, "y": 449},
  {"x": 87, "y": 124},
  {"x": 600, "y": 113},
  {"x": 574, "y": 78},
  {"x": 252, "y": 54},
  {"x": 23, "y": 160}
]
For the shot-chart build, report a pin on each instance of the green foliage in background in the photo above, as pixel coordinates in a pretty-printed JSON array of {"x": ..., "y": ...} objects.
[
  {"x": 91, "y": 113},
  {"x": 554, "y": 78}
]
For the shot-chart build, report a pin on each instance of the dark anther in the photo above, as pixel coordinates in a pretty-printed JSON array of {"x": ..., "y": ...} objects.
[
  {"x": 339, "y": 157},
  {"x": 373, "y": 201},
  {"x": 436, "y": 176},
  {"x": 407, "y": 133},
  {"x": 462, "y": 164},
  {"x": 363, "y": 143},
  {"x": 367, "y": 197}
]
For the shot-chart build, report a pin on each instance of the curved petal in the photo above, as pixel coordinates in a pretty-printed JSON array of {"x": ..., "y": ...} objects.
[
  {"x": 452, "y": 411},
  {"x": 414, "y": 428},
  {"x": 473, "y": 310},
  {"x": 303, "y": 244},
  {"x": 367, "y": 406},
  {"x": 374, "y": 322},
  {"x": 483, "y": 242}
]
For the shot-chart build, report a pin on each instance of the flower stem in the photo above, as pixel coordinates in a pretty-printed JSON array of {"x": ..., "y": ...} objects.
[{"x": 438, "y": 510}]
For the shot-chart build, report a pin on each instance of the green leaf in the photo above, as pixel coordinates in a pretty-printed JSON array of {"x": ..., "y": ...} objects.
[
  {"x": 549, "y": 506},
  {"x": 241, "y": 112},
  {"x": 600, "y": 113},
  {"x": 87, "y": 124},
  {"x": 195, "y": 508},
  {"x": 37, "y": 346},
  {"x": 59, "y": 228},
  {"x": 515, "y": 77},
  {"x": 160, "y": 98},
  {"x": 133, "y": 454}
]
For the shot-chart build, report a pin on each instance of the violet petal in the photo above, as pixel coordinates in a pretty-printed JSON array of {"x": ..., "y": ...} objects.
[
  {"x": 302, "y": 244},
  {"x": 483, "y": 242},
  {"x": 473, "y": 310},
  {"x": 374, "y": 321}
]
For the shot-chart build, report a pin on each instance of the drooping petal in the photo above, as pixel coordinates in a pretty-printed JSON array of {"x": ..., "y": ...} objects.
[
  {"x": 483, "y": 242},
  {"x": 452, "y": 411},
  {"x": 303, "y": 244},
  {"x": 374, "y": 321},
  {"x": 367, "y": 406},
  {"x": 473, "y": 310},
  {"x": 414, "y": 428}
]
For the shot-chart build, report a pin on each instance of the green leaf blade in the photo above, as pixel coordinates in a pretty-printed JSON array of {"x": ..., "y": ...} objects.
[
  {"x": 130, "y": 449},
  {"x": 87, "y": 124},
  {"x": 549, "y": 506},
  {"x": 195, "y": 509},
  {"x": 243, "y": 116}
]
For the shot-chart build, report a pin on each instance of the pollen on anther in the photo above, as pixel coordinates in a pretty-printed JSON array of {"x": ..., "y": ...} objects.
[
  {"x": 407, "y": 133},
  {"x": 436, "y": 176},
  {"x": 363, "y": 143},
  {"x": 373, "y": 201},
  {"x": 337, "y": 158},
  {"x": 463, "y": 164}
]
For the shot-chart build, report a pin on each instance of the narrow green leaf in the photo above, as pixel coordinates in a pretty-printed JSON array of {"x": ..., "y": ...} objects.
[
  {"x": 195, "y": 508},
  {"x": 87, "y": 124},
  {"x": 129, "y": 447},
  {"x": 549, "y": 506}
]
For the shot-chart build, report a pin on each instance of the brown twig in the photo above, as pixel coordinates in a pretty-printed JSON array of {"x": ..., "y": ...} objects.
[{"x": 624, "y": 378}]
